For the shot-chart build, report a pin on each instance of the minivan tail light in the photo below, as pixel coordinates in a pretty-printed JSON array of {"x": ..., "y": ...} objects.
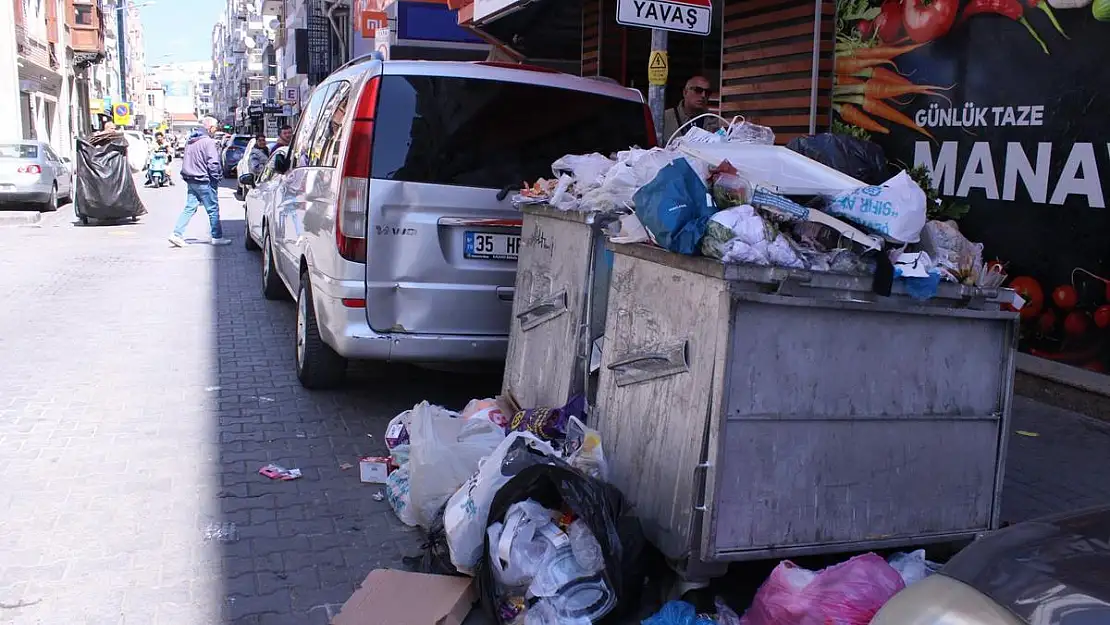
[{"x": 354, "y": 189}]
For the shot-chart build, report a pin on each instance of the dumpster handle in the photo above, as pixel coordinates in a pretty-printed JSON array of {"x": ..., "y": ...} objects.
[
  {"x": 650, "y": 365},
  {"x": 543, "y": 310}
]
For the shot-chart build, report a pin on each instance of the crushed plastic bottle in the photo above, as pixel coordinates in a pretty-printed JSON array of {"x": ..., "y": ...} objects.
[{"x": 587, "y": 551}]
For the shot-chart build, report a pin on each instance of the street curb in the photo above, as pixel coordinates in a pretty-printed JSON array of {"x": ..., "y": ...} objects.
[
  {"x": 1067, "y": 375},
  {"x": 20, "y": 218}
]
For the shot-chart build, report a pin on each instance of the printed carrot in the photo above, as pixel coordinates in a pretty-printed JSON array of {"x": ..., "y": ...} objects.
[
  {"x": 881, "y": 52},
  {"x": 852, "y": 65},
  {"x": 880, "y": 90},
  {"x": 878, "y": 108},
  {"x": 852, "y": 115},
  {"x": 848, "y": 80}
]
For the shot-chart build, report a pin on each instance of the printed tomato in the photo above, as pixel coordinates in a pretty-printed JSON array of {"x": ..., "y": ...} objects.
[
  {"x": 1065, "y": 297},
  {"x": 1076, "y": 323},
  {"x": 889, "y": 22},
  {"x": 865, "y": 27},
  {"x": 1030, "y": 290},
  {"x": 1102, "y": 316},
  {"x": 926, "y": 20},
  {"x": 1046, "y": 323}
]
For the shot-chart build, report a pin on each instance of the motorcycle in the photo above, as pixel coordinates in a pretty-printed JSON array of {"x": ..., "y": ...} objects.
[{"x": 157, "y": 168}]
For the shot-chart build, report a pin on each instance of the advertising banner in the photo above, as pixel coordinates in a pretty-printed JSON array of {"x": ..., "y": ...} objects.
[{"x": 1004, "y": 103}]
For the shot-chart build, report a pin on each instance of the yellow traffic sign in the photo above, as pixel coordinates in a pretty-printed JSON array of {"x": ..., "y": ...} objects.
[
  {"x": 658, "y": 68},
  {"x": 121, "y": 113}
]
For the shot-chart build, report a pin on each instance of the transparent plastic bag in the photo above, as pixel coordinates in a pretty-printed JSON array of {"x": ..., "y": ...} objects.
[
  {"x": 731, "y": 190},
  {"x": 518, "y": 547},
  {"x": 912, "y": 566},
  {"x": 747, "y": 132},
  {"x": 586, "y": 549},
  {"x": 584, "y": 450},
  {"x": 849, "y": 593},
  {"x": 444, "y": 453},
  {"x": 588, "y": 170}
]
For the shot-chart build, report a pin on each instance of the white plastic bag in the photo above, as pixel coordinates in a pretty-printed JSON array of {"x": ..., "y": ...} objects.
[
  {"x": 444, "y": 452},
  {"x": 588, "y": 170},
  {"x": 464, "y": 518},
  {"x": 518, "y": 546},
  {"x": 895, "y": 208},
  {"x": 397, "y": 493},
  {"x": 913, "y": 567}
]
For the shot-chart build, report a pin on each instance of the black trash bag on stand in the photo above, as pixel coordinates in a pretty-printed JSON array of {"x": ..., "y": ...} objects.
[
  {"x": 606, "y": 513},
  {"x": 105, "y": 187},
  {"x": 862, "y": 160}
]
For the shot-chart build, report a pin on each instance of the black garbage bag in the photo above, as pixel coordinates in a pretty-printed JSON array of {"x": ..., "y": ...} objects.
[
  {"x": 862, "y": 160},
  {"x": 607, "y": 514},
  {"x": 105, "y": 188}
]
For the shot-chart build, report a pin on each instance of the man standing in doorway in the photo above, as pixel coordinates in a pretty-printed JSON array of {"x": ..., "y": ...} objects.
[
  {"x": 285, "y": 135},
  {"x": 202, "y": 172},
  {"x": 695, "y": 101}
]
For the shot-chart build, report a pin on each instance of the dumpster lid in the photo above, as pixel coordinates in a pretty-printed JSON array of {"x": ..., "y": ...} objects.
[{"x": 778, "y": 168}]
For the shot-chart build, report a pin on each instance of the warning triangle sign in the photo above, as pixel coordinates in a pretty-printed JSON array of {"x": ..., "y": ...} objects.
[{"x": 658, "y": 61}]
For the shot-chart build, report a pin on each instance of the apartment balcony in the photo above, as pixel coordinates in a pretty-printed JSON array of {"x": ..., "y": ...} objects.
[
  {"x": 86, "y": 37},
  {"x": 33, "y": 49}
]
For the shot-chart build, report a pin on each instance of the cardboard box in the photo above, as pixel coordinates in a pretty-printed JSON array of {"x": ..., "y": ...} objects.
[
  {"x": 374, "y": 470},
  {"x": 389, "y": 597}
]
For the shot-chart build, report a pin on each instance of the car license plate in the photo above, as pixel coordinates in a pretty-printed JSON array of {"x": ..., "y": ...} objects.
[{"x": 492, "y": 246}]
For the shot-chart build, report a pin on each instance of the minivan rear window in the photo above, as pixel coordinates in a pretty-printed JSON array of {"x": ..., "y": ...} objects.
[{"x": 486, "y": 133}]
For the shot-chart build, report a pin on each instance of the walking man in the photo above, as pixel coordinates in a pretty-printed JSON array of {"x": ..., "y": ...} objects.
[{"x": 202, "y": 172}]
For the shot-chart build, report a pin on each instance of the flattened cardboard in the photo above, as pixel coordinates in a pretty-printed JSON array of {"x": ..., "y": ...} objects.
[{"x": 389, "y": 597}]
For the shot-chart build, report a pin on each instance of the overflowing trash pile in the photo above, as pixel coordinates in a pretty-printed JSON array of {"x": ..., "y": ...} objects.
[
  {"x": 734, "y": 196},
  {"x": 518, "y": 500}
]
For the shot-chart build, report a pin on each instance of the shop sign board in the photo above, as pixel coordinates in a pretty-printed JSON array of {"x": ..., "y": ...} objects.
[
  {"x": 692, "y": 17},
  {"x": 1011, "y": 120}
]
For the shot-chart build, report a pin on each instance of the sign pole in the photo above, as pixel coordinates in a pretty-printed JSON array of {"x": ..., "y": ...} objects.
[{"x": 657, "y": 93}]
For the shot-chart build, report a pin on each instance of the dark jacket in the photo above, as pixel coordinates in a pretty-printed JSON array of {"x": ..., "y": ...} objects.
[{"x": 201, "y": 162}]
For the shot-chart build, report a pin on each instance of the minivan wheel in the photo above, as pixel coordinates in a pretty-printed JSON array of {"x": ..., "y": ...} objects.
[
  {"x": 318, "y": 366},
  {"x": 272, "y": 288}
]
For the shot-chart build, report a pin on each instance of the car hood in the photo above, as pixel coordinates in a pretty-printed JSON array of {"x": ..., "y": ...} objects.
[{"x": 1050, "y": 571}]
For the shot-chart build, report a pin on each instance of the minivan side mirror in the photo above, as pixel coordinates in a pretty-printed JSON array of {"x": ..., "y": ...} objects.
[
  {"x": 67, "y": 160},
  {"x": 281, "y": 163}
]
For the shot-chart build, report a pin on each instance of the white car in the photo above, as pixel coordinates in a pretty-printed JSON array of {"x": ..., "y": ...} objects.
[
  {"x": 32, "y": 173},
  {"x": 258, "y": 198},
  {"x": 244, "y": 166}
]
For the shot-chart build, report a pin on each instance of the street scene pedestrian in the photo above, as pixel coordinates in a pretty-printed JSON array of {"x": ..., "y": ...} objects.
[
  {"x": 674, "y": 312},
  {"x": 202, "y": 173}
]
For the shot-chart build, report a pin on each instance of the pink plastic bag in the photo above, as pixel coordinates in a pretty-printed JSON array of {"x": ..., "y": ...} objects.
[{"x": 849, "y": 593}]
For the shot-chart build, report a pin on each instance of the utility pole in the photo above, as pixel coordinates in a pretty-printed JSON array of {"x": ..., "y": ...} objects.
[
  {"x": 657, "y": 94},
  {"x": 121, "y": 39}
]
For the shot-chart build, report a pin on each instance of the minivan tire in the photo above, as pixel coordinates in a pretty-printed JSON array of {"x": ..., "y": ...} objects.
[
  {"x": 272, "y": 287},
  {"x": 248, "y": 240},
  {"x": 318, "y": 366}
]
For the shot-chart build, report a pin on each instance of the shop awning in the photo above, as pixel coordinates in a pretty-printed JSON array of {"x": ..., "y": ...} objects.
[{"x": 535, "y": 29}]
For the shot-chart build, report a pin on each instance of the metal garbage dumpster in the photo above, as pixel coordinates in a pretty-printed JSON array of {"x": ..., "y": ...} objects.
[
  {"x": 562, "y": 284},
  {"x": 754, "y": 412}
]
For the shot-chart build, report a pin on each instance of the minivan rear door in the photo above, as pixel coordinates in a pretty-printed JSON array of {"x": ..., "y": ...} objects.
[{"x": 442, "y": 248}]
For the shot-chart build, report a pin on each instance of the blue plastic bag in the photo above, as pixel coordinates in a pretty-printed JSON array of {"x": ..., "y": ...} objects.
[
  {"x": 677, "y": 613},
  {"x": 675, "y": 207}
]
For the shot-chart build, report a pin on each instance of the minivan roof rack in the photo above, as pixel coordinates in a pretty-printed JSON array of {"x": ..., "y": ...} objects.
[{"x": 372, "y": 56}]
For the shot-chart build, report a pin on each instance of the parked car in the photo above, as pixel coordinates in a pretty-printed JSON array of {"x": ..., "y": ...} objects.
[
  {"x": 1049, "y": 571},
  {"x": 32, "y": 173},
  {"x": 232, "y": 151},
  {"x": 391, "y": 225},
  {"x": 244, "y": 165},
  {"x": 258, "y": 197}
]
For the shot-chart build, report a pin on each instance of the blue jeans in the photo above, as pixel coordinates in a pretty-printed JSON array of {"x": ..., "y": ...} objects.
[{"x": 200, "y": 193}]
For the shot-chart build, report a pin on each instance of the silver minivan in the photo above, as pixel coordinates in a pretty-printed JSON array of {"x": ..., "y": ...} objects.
[{"x": 391, "y": 224}]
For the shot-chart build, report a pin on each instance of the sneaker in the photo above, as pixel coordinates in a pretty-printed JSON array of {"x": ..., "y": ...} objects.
[
  {"x": 221, "y": 241},
  {"x": 177, "y": 241}
]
